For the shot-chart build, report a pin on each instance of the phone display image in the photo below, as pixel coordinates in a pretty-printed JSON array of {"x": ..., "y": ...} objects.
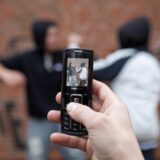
[{"x": 77, "y": 72}]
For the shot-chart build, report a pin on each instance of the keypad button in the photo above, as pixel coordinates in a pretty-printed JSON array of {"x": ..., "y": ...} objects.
[
  {"x": 75, "y": 130},
  {"x": 66, "y": 124},
  {"x": 65, "y": 128},
  {"x": 66, "y": 118},
  {"x": 77, "y": 98},
  {"x": 82, "y": 128},
  {"x": 75, "y": 126}
]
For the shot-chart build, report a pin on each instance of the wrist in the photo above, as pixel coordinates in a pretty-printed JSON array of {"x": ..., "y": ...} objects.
[{"x": 130, "y": 150}]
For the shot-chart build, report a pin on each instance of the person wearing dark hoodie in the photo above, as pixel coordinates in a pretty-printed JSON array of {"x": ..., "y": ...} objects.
[
  {"x": 40, "y": 69},
  {"x": 134, "y": 75}
]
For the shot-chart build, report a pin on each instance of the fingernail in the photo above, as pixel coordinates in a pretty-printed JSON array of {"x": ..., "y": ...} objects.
[{"x": 71, "y": 106}]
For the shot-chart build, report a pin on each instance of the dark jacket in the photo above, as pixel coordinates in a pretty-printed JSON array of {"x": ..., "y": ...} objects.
[{"x": 42, "y": 86}]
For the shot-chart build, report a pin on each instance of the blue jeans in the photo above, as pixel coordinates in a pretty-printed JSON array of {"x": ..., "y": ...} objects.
[{"x": 39, "y": 144}]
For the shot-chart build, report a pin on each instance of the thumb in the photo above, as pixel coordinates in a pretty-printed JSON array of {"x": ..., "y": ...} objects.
[{"x": 81, "y": 113}]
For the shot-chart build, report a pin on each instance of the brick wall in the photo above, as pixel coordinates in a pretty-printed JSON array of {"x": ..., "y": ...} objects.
[
  {"x": 13, "y": 121},
  {"x": 96, "y": 20}
]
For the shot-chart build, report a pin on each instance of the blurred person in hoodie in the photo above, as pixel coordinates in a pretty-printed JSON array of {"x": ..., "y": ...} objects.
[
  {"x": 40, "y": 69},
  {"x": 134, "y": 75}
]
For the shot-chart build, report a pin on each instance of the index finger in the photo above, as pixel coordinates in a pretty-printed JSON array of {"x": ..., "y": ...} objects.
[
  {"x": 69, "y": 141},
  {"x": 58, "y": 97},
  {"x": 103, "y": 92}
]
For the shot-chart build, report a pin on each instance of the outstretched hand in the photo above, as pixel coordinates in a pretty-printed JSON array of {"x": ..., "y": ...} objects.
[{"x": 110, "y": 135}]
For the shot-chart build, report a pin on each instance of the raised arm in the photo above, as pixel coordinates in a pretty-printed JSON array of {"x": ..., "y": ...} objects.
[{"x": 12, "y": 78}]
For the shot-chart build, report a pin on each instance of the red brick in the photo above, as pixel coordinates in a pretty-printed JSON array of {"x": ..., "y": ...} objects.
[{"x": 97, "y": 20}]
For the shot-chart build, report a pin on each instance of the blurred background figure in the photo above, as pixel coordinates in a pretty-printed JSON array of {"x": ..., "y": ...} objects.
[
  {"x": 96, "y": 21},
  {"x": 134, "y": 75},
  {"x": 83, "y": 74},
  {"x": 40, "y": 69},
  {"x": 72, "y": 79},
  {"x": 75, "y": 40}
]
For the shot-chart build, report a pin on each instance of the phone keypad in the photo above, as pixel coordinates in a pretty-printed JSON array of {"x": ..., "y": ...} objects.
[
  {"x": 67, "y": 122},
  {"x": 70, "y": 125}
]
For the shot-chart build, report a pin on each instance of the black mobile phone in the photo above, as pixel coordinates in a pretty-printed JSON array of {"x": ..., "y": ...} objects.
[{"x": 76, "y": 86}]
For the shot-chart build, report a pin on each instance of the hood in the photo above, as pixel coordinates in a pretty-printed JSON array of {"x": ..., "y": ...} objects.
[
  {"x": 135, "y": 34},
  {"x": 39, "y": 30}
]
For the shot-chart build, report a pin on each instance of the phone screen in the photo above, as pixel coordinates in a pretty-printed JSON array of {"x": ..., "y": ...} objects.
[{"x": 77, "y": 72}]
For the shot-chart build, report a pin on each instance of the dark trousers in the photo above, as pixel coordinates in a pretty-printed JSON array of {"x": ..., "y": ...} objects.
[{"x": 148, "y": 154}]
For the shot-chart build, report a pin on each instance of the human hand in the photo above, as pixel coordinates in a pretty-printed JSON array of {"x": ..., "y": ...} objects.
[
  {"x": 110, "y": 135},
  {"x": 13, "y": 78},
  {"x": 75, "y": 38}
]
